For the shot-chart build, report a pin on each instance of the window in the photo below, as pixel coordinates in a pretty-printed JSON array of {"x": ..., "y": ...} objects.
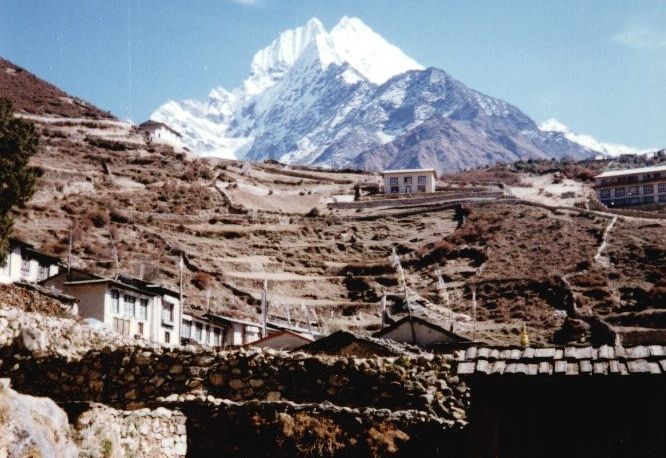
[
  {"x": 407, "y": 180},
  {"x": 25, "y": 267},
  {"x": 395, "y": 190},
  {"x": 216, "y": 336},
  {"x": 142, "y": 309},
  {"x": 186, "y": 329},
  {"x": 43, "y": 272},
  {"x": 648, "y": 189},
  {"x": 408, "y": 189},
  {"x": 648, "y": 199},
  {"x": 633, "y": 201},
  {"x": 619, "y": 192},
  {"x": 115, "y": 301},
  {"x": 140, "y": 328},
  {"x": 167, "y": 337},
  {"x": 661, "y": 187},
  {"x": 393, "y": 181},
  {"x": 421, "y": 188},
  {"x": 198, "y": 331},
  {"x": 128, "y": 305},
  {"x": 121, "y": 326},
  {"x": 167, "y": 313},
  {"x": 605, "y": 193},
  {"x": 662, "y": 198},
  {"x": 634, "y": 190},
  {"x": 423, "y": 179}
]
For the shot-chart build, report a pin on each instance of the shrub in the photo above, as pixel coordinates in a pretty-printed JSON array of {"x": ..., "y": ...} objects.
[
  {"x": 202, "y": 280},
  {"x": 313, "y": 213},
  {"x": 98, "y": 218}
]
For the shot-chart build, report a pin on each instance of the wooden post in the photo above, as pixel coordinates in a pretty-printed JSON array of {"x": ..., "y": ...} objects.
[
  {"x": 181, "y": 265},
  {"x": 69, "y": 252},
  {"x": 383, "y": 311},
  {"x": 264, "y": 310}
]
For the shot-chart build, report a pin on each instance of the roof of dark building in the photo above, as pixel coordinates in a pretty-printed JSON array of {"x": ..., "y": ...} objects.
[
  {"x": 426, "y": 322},
  {"x": 570, "y": 360},
  {"x": 30, "y": 248},
  {"x": 343, "y": 343}
]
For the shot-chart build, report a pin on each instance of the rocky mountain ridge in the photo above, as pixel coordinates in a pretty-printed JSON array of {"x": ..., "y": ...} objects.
[{"x": 317, "y": 97}]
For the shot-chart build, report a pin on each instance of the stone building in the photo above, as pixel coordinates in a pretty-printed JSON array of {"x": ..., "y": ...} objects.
[
  {"x": 129, "y": 306},
  {"x": 641, "y": 186},
  {"x": 25, "y": 264},
  {"x": 158, "y": 132},
  {"x": 408, "y": 181},
  {"x": 202, "y": 330}
]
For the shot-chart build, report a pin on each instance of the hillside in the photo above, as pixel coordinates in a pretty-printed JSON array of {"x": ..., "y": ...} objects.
[{"x": 240, "y": 223}]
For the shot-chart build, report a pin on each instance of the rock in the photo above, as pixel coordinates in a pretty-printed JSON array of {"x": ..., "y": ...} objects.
[
  {"x": 256, "y": 383},
  {"x": 236, "y": 384},
  {"x": 273, "y": 396},
  {"x": 216, "y": 379}
]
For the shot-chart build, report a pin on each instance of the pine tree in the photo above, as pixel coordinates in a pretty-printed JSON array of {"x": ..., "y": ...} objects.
[{"x": 18, "y": 142}]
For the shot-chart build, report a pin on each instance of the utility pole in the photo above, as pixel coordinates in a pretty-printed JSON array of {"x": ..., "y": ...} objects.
[
  {"x": 474, "y": 314},
  {"x": 264, "y": 310},
  {"x": 69, "y": 251},
  {"x": 383, "y": 311},
  {"x": 181, "y": 266}
]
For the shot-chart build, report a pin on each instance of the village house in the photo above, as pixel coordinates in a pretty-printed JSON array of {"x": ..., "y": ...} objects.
[
  {"x": 25, "y": 264},
  {"x": 129, "y": 306},
  {"x": 408, "y": 181},
  {"x": 202, "y": 330},
  {"x": 641, "y": 186},
  {"x": 237, "y": 332},
  {"x": 158, "y": 132},
  {"x": 420, "y": 332}
]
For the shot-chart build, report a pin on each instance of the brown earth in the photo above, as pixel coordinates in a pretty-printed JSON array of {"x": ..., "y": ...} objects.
[{"x": 239, "y": 224}]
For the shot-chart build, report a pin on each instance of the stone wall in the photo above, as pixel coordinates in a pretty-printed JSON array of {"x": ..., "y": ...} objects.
[
  {"x": 144, "y": 433},
  {"x": 75, "y": 364},
  {"x": 426, "y": 199}
]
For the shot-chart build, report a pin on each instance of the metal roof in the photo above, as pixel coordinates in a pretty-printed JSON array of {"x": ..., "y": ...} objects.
[
  {"x": 388, "y": 172},
  {"x": 617, "y": 173}
]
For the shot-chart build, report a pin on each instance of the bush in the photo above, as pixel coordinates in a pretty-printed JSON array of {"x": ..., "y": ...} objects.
[
  {"x": 202, "y": 280},
  {"x": 313, "y": 213},
  {"x": 98, "y": 218}
]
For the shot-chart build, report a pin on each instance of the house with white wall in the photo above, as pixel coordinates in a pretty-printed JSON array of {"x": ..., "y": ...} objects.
[
  {"x": 409, "y": 181},
  {"x": 24, "y": 263},
  {"x": 131, "y": 307},
  {"x": 158, "y": 132},
  {"x": 201, "y": 330}
]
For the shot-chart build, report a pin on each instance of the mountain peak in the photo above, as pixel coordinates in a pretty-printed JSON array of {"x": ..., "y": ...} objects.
[{"x": 368, "y": 52}]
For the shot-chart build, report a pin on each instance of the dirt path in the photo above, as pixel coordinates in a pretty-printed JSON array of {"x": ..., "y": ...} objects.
[{"x": 602, "y": 260}]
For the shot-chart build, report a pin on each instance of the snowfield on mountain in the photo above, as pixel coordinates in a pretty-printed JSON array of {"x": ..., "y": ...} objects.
[{"x": 349, "y": 98}]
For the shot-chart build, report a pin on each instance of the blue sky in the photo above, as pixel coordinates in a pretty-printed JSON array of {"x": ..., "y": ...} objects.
[{"x": 597, "y": 66}]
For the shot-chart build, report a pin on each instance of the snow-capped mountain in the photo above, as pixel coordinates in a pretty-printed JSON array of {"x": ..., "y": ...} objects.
[
  {"x": 349, "y": 98},
  {"x": 587, "y": 141}
]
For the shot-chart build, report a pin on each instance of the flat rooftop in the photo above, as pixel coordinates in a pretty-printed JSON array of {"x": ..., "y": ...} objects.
[
  {"x": 389, "y": 172},
  {"x": 617, "y": 173}
]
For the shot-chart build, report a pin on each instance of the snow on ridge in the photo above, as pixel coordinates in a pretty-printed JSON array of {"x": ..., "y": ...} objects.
[{"x": 587, "y": 141}]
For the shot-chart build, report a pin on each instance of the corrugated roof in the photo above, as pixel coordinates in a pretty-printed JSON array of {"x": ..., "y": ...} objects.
[
  {"x": 617, "y": 173},
  {"x": 604, "y": 360},
  {"x": 387, "y": 172}
]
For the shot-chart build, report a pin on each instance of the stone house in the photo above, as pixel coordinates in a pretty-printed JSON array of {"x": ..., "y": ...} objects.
[
  {"x": 420, "y": 332},
  {"x": 201, "y": 330},
  {"x": 640, "y": 186},
  {"x": 130, "y": 307},
  {"x": 282, "y": 340},
  {"x": 408, "y": 181},
  {"x": 237, "y": 332},
  {"x": 25, "y": 264},
  {"x": 158, "y": 132}
]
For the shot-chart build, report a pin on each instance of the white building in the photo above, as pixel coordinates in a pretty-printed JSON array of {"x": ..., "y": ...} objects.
[
  {"x": 640, "y": 186},
  {"x": 129, "y": 306},
  {"x": 158, "y": 132},
  {"x": 409, "y": 181},
  {"x": 24, "y": 264},
  {"x": 201, "y": 330}
]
